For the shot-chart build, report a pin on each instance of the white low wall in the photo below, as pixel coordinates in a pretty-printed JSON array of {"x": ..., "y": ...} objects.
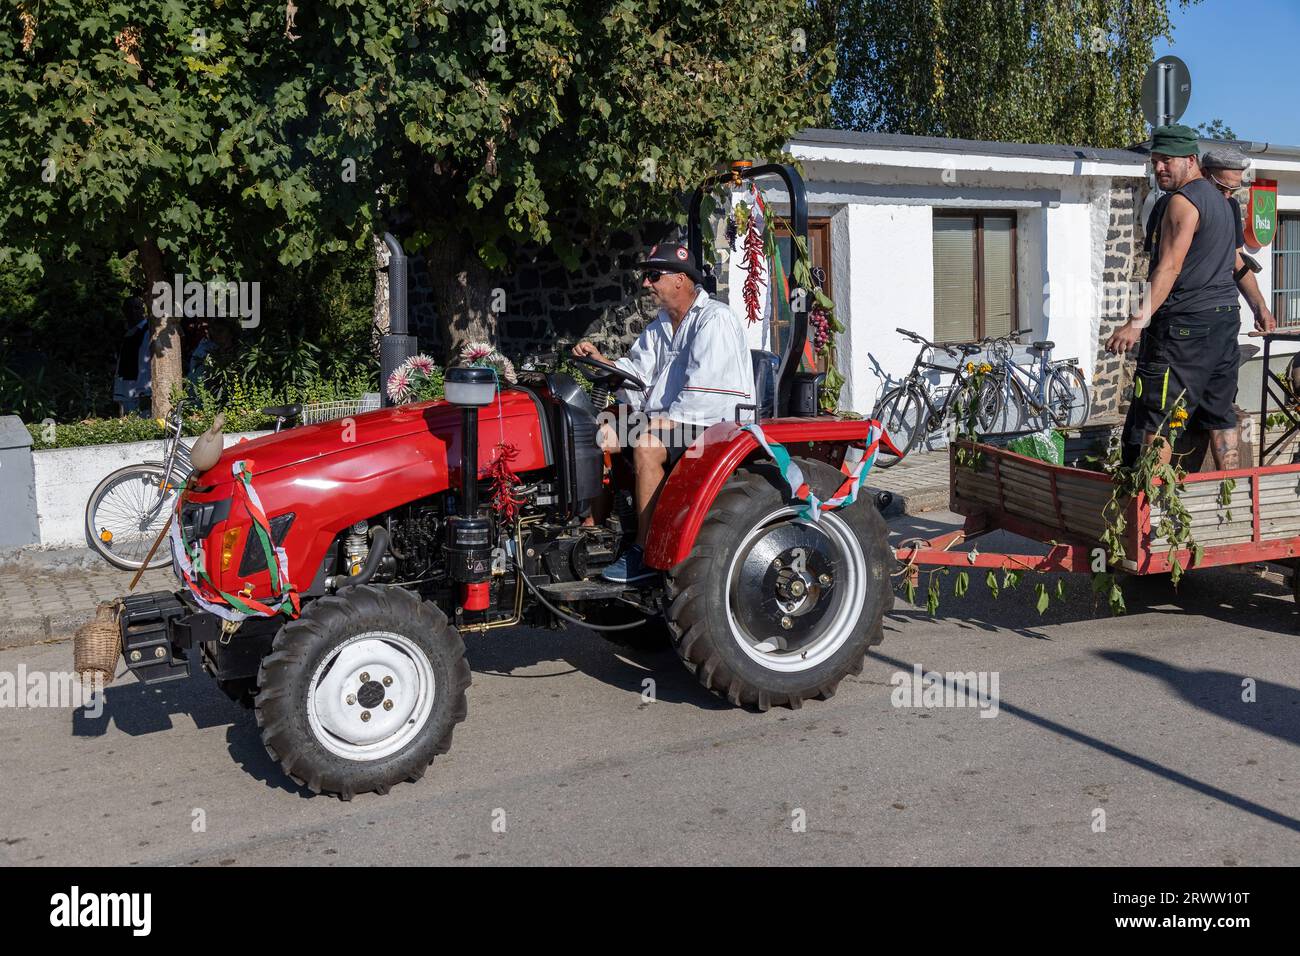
[{"x": 65, "y": 478}]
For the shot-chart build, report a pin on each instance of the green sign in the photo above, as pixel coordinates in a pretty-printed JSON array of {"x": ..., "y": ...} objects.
[{"x": 1261, "y": 213}]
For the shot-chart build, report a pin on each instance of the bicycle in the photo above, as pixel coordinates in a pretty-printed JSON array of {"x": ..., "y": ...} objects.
[
  {"x": 128, "y": 508},
  {"x": 1045, "y": 394},
  {"x": 917, "y": 407}
]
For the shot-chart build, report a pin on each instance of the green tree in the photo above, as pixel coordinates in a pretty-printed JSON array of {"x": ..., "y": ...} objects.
[
  {"x": 145, "y": 127},
  {"x": 475, "y": 124},
  {"x": 1066, "y": 71},
  {"x": 205, "y": 136},
  {"x": 1216, "y": 129}
]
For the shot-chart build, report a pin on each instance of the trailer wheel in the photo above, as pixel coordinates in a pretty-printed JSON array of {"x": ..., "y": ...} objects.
[
  {"x": 769, "y": 609},
  {"x": 362, "y": 691}
]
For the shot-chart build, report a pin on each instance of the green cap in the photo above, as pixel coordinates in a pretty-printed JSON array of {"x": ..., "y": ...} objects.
[{"x": 1175, "y": 140}]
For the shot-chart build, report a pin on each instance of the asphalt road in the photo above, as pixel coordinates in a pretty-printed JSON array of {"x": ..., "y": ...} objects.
[{"x": 1140, "y": 717}]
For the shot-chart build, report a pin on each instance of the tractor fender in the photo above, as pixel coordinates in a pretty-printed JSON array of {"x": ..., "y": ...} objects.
[{"x": 705, "y": 467}]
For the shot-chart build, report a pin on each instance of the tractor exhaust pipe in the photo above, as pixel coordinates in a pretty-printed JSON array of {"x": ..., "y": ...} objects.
[
  {"x": 469, "y": 533},
  {"x": 397, "y": 345}
]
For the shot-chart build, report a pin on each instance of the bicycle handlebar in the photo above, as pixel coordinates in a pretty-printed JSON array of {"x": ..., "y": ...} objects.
[{"x": 926, "y": 342}]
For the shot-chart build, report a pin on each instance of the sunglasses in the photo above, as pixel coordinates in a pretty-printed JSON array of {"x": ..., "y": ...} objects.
[{"x": 654, "y": 275}]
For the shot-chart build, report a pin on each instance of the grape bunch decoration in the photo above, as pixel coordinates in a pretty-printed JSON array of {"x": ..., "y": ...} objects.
[{"x": 820, "y": 325}]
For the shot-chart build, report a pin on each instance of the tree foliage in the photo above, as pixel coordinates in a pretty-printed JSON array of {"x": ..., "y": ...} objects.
[
  {"x": 208, "y": 136},
  {"x": 1038, "y": 71}
]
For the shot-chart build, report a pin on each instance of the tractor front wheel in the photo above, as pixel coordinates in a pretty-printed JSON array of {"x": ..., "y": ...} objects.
[
  {"x": 362, "y": 691},
  {"x": 772, "y": 609}
]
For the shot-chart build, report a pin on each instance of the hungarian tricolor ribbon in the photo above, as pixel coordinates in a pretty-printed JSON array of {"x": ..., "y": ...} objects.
[
  {"x": 190, "y": 562},
  {"x": 847, "y": 493}
]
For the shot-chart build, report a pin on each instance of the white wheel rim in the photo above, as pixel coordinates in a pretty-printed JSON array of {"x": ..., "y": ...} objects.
[
  {"x": 350, "y": 687},
  {"x": 850, "y": 582}
]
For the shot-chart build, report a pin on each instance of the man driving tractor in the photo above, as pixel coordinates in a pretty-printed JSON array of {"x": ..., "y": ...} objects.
[{"x": 695, "y": 364}]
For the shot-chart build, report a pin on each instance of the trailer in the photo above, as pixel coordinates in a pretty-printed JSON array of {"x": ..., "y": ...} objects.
[{"x": 1063, "y": 506}]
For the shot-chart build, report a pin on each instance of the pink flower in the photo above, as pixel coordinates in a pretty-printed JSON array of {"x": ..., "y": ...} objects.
[
  {"x": 476, "y": 351},
  {"x": 399, "y": 385},
  {"x": 420, "y": 364}
]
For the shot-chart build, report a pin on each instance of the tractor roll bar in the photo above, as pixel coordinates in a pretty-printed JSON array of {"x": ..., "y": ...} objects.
[{"x": 798, "y": 332}]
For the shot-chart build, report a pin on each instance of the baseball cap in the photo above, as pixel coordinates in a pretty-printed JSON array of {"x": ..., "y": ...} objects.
[{"x": 671, "y": 257}]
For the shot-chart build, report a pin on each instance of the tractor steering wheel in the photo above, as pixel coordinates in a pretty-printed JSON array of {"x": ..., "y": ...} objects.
[{"x": 612, "y": 371}]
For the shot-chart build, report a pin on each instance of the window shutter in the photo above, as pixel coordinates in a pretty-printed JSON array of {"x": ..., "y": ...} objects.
[
  {"x": 954, "y": 278},
  {"x": 999, "y": 290}
]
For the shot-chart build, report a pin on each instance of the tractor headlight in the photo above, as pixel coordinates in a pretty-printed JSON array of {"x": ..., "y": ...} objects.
[{"x": 470, "y": 386}]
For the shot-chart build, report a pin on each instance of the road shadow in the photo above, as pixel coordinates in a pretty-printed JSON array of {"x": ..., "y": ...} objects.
[
  {"x": 138, "y": 709},
  {"x": 1117, "y": 752},
  {"x": 503, "y": 653},
  {"x": 1273, "y": 710}
]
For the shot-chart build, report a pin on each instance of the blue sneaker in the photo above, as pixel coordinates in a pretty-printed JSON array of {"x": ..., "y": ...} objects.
[{"x": 629, "y": 567}]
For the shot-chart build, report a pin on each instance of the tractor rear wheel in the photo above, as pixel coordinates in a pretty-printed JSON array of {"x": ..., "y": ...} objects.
[
  {"x": 770, "y": 609},
  {"x": 362, "y": 691}
]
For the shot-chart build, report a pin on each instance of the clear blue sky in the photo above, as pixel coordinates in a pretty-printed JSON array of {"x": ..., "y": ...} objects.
[{"x": 1244, "y": 56}]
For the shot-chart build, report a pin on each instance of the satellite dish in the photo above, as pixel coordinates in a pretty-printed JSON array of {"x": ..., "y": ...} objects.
[{"x": 1166, "y": 90}]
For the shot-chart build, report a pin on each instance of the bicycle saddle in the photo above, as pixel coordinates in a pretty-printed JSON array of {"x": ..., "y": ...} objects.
[
  {"x": 287, "y": 412},
  {"x": 966, "y": 349},
  {"x": 1043, "y": 346}
]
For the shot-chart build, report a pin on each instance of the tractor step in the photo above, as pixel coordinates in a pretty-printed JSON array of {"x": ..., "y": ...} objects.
[{"x": 596, "y": 589}]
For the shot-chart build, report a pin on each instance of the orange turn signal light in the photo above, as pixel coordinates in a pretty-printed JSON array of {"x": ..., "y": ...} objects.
[{"x": 228, "y": 541}]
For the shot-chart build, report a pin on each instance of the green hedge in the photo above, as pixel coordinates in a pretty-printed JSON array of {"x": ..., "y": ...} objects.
[{"x": 241, "y": 406}]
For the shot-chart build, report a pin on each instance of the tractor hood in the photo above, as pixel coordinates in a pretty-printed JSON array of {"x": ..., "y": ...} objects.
[{"x": 432, "y": 427}]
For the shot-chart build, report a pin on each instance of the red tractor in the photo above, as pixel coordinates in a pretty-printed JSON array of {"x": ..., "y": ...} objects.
[{"x": 384, "y": 530}]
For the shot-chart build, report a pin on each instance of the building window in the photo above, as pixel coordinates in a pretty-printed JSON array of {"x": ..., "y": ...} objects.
[
  {"x": 1286, "y": 271},
  {"x": 819, "y": 251},
  {"x": 974, "y": 275},
  {"x": 819, "y": 248}
]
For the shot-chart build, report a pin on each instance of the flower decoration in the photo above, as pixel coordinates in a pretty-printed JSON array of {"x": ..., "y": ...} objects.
[
  {"x": 399, "y": 385},
  {"x": 415, "y": 380},
  {"x": 1179, "y": 418},
  {"x": 483, "y": 355}
]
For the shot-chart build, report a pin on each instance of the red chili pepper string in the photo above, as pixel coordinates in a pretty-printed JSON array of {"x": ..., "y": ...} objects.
[
  {"x": 505, "y": 502},
  {"x": 755, "y": 265}
]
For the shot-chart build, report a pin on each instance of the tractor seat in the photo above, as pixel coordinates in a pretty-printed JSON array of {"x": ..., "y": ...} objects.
[
  {"x": 1042, "y": 346},
  {"x": 766, "y": 365},
  {"x": 287, "y": 412}
]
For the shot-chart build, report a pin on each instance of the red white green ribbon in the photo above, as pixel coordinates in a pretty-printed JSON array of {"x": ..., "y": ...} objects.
[
  {"x": 847, "y": 493},
  {"x": 191, "y": 567}
]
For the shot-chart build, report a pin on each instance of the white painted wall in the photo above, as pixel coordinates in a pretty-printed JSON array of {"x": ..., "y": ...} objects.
[
  {"x": 885, "y": 281},
  {"x": 65, "y": 478}
]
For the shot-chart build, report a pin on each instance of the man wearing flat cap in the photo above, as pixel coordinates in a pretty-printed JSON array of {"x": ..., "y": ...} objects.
[
  {"x": 1226, "y": 168},
  {"x": 694, "y": 361},
  {"x": 1190, "y": 348}
]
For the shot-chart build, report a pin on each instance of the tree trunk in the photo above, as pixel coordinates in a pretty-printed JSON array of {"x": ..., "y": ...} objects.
[
  {"x": 462, "y": 293},
  {"x": 166, "y": 372},
  {"x": 379, "y": 311}
]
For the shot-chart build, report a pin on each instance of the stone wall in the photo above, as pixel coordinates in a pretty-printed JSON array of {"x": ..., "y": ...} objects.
[
  {"x": 1125, "y": 264},
  {"x": 548, "y": 306}
]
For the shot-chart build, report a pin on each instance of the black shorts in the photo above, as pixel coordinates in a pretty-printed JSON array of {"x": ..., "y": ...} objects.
[
  {"x": 676, "y": 440},
  {"x": 1195, "y": 356}
]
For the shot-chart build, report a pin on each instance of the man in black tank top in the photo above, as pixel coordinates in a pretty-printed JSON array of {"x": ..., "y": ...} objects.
[{"x": 1190, "y": 350}]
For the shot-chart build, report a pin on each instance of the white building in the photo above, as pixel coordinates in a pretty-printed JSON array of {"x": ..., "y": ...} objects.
[{"x": 957, "y": 239}]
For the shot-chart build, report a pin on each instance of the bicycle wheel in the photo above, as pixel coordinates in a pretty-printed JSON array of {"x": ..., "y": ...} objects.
[
  {"x": 126, "y": 512},
  {"x": 899, "y": 412},
  {"x": 994, "y": 413},
  {"x": 1069, "y": 400}
]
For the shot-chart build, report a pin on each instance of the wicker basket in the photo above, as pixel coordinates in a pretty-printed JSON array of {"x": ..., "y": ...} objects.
[{"x": 97, "y": 645}]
